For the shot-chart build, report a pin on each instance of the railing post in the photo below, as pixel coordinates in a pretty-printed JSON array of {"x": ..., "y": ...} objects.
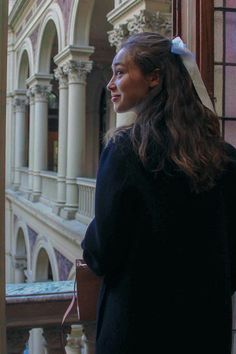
[
  {"x": 54, "y": 339},
  {"x": 75, "y": 340},
  {"x": 89, "y": 340},
  {"x": 16, "y": 340}
]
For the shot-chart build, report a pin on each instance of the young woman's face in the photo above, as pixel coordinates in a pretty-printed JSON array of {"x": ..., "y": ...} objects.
[{"x": 128, "y": 85}]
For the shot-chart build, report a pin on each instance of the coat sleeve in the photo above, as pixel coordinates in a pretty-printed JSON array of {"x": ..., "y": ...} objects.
[
  {"x": 106, "y": 241},
  {"x": 230, "y": 203},
  {"x": 232, "y": 234}
]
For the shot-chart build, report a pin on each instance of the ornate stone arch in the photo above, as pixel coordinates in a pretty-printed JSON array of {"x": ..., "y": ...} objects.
[
  {"x": 25, "y": 64},
  {"x": 20, "y": 225},
  {"x": 21, "y": 246},
  {"x": 79, "y": 22},
  {"x": 52, "y": 24},
  {"x": 71, "y": 275},
  {"x": 42, "y": 256}
]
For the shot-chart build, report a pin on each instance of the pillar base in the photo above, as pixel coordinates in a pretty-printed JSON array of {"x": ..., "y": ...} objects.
[
  {"x": 34, "y": 197},
  {"x": 28, "y": 193},
  {"x": 68, "y": 213},
  {"x": 57, "y": 208},
  {"x": 82, "y": 218},
  {"x": 15, "y": 187}
]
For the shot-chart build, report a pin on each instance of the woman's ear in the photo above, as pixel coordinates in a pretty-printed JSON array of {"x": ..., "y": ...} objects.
[{"x": 154, "y": 78}]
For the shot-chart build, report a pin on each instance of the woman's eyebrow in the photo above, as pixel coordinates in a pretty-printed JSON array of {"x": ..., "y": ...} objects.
[{"x": 117, "y": 63}]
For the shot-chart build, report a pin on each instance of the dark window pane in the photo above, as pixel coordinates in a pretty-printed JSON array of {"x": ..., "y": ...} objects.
[
  {"x": 230, "y": 3},
  {"x": 230, "y": 37},
  {"x": 230, "y": 101},
  {"x": 230, "y": 132}
]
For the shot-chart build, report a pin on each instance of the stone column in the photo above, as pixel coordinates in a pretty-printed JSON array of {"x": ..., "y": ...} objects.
[
  {"x": 77, "y": 72},
  {"x": 30, "y": 94},
  {"x": 20, "y": 265},
  {"x": 40, "y": 87},
  {"x": 20, "y": 102},
  {"x": 40, "y": 136},
  {"x": 89, "y": 337},
  {"x": 62, "y": 139}
]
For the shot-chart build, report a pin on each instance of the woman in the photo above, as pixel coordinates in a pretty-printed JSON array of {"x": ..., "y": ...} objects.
[{"x": 163, "y": 236}]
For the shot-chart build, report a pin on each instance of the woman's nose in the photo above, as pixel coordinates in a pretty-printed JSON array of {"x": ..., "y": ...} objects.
[{"x": 111, "y": 85}]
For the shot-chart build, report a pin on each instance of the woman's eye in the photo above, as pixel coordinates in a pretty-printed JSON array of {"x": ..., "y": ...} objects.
[{"x": 119, "y": 73}]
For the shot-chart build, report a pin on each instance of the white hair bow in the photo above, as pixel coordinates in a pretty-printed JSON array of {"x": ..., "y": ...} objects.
[{"x": 180, "y": 48}]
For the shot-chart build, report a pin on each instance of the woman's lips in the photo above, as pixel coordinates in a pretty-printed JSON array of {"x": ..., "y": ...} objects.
[{"x": 115, "y": 98}]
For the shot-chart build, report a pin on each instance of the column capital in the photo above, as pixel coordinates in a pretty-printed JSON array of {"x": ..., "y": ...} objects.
[
  {"x": 118, "y": 35},
  {"x": 30, "y": 95},
  {"x": 77, "y": 70},
  {"x": 144, "y": 21},
  {"x": 41, "y": 92},
  {"x": 20, "y": 262},
  {"x": 20, "y": 103},
  {"x": 61, "y": 77}
]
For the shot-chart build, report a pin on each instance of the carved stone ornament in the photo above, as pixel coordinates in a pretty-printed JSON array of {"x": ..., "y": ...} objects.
[
  {"x": 30, "y": 95},
  {"x": 118, "y": 35},
  {"x": 61, "y": 77},
  {"x": 166, "y": 26},
  {"x": 20, "y": 262},
  {"x": 20, "y": 104},
  {"x": 77, "y": 70},
  {"x": 41, "y": 92},
  {"x": 145, "y": 21}
]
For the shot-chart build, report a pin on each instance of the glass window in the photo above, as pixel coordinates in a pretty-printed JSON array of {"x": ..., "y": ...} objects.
[
  {"x": 225, "y": 22},
  {"x": 230, "y": 37},
  {"x": 231, "y": 3}
]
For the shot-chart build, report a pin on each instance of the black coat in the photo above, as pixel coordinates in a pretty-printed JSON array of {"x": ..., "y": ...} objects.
[{"x": 168, "y": 257}]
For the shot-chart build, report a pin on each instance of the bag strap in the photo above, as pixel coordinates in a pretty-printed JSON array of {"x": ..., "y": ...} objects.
[{"x": 70, "y": 307}]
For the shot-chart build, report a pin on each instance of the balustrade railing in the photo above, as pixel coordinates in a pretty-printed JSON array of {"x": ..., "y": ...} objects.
[
  {"x": 42, "y": 305},
  {"x": 24, "y": 179},
  {"x": 49, "y": 187},
  {"x": 86, "y": 190}
]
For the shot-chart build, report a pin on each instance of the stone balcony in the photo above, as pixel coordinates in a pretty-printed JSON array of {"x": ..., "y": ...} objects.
[{"x": 43, "y": 305}]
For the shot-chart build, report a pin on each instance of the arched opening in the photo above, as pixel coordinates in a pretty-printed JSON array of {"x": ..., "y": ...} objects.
[
  {"x": 24, "y": 73},
  {"x": 48, "y": 49},
  {"x": 53, "y": 113},
  {"x": 20, "y": 258},
  {"x": 100, "y": 117},
  {"x": 43, "y": 267}
]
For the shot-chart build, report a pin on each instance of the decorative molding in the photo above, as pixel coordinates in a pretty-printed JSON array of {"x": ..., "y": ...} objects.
[
  {"x": 30, "y": 95},
  {"x": 167, "y": 24},
  {"x": 144, "y": 21},
  {"x": 64, "y": 265},
  {"x": 60, "y": 75},
  {"x": 20, "y": 262},
  {"x": 77, "y": 70},
  {"x": 41, "y": 92},
  {"x": 118, "y": 35},
  {"x": 65, "y": 9},
  {"x": 33, "y": 37},
  {"x": 20, "y": 104},
  {"x": 32, "y": 238}
]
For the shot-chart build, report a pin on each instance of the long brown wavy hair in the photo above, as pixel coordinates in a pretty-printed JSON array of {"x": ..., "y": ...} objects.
[{"x": 173, "y": 128}]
